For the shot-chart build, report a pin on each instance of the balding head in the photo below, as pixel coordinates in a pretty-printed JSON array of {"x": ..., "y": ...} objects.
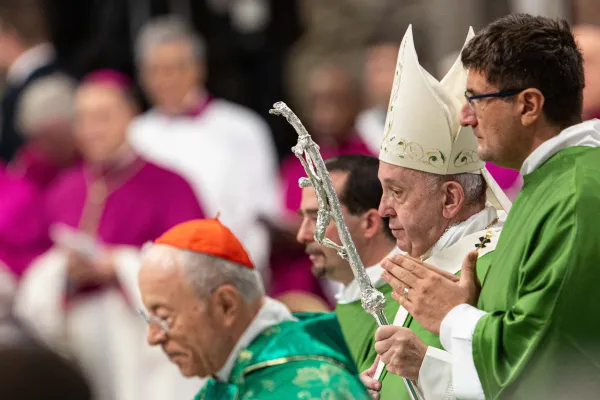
[{"x": 588, "y": 40}]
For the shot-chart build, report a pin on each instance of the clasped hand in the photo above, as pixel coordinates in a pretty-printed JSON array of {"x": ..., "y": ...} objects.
[{"x": 429, "y": 293}]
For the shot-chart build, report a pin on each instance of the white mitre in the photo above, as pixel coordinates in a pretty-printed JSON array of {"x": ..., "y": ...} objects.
[{"x": 422, "y": 129}]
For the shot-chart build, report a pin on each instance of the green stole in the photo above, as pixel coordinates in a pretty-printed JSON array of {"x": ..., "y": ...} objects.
[
  {"x": 305, "y": 359},
  {"x": 359, "y": 327}
]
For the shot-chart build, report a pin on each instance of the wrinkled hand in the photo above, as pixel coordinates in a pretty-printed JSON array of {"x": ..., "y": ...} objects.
[
  {"x": 432, "y": 293},
  {"x": 372, "y": 384},
  {"x": 401, "y": 350}
]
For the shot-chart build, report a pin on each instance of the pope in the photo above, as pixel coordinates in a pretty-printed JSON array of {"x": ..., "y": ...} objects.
[{"x": 531, "y": 333}]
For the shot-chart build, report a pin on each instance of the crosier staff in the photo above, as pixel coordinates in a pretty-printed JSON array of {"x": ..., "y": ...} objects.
[{"x": 307, "y": 151}]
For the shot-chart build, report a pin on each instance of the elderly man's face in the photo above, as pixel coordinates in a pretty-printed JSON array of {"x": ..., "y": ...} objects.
[
  {"x": 197, "y": 340},
  {"x": 170, "y": 73},
  {"x": 416, "y": 212}
]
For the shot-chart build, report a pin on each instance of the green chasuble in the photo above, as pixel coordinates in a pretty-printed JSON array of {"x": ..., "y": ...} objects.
[
  {"x": 359, "y": 327},
  {"x": 541, "y": 336},
  {"x": 305, "y": 359},
  {"x": 392, "y": 386}
]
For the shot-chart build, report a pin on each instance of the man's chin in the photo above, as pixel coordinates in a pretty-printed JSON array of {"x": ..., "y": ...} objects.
[
  {"x": 188, "y": 372},
  {"x": 403, "y": 245}
]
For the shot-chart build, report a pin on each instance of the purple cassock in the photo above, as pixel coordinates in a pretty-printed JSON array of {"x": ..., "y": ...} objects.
[
  {"x": 291, "y": 271},
  {"x": 505, "y": 177},
  {"x": 127, "y": 204},
  {"x": 22, "y": 231},
  {"x": 36, "y": 166}
]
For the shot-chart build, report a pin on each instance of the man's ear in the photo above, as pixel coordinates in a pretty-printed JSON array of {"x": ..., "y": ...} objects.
[
  {"x": 226, "y": 304},
  {"x": 454, "y": 198},
  {"x": 531, "y": 102},
  {"x": 372, "y": 223}
]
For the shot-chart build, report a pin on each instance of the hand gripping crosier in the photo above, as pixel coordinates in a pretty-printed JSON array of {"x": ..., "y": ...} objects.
[{"x": 307, "y": 151}]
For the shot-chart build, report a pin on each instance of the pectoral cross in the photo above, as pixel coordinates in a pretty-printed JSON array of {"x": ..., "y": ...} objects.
[{"x": 484, "y": 240}]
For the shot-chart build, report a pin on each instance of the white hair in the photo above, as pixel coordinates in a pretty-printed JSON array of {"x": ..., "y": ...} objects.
[
  {"x": 205, "y": 272},
  {"x": 473, "y": 185},
  {"x": 47, "y": 99},
  {"x": 167, "y": 29}
]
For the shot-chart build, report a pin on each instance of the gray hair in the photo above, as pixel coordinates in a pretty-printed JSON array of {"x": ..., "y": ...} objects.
[
  {"x": 473, "y": 185},
  {"x": 206, "y": 273},
  {"x": 47, "y": 99},
  {"x": 167, "y": 29}
]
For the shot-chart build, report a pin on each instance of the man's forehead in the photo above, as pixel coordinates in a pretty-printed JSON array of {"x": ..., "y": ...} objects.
[
  {"x": 160, "y": 286},
  {"x": 153, "y": 276},
  {"x": 158, "y": 51},
  {"x": 395, "y": 174},
  {"x": 338, "y": 179},
  {"x": 309, "y": 197},
  {"x": 477, "y": 82}
]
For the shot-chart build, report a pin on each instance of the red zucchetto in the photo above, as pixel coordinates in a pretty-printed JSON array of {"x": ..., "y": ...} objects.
[{"x": 208, "y": 236}]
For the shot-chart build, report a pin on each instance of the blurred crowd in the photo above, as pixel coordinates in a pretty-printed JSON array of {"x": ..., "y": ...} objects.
[{"x": 101, "y": 156}]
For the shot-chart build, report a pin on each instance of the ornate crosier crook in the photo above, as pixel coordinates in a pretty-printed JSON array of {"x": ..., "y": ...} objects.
[{"x": 307, "y": 151}]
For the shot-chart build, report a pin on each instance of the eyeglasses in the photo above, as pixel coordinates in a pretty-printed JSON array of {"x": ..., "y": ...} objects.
[
  {"x": 153, "y": 319},
  {"x": 501, "y": 94}
]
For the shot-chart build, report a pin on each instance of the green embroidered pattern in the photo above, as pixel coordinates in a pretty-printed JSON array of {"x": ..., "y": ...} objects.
[
  {"x": 413, "y": 151},
  {"x": 466, "y": 157}
]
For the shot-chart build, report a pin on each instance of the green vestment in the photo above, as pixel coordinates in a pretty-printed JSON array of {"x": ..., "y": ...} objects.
[
  {"x": 392, "y": 386},
  {"x": 359, "y": 327},
  {"x": 541, "y": 336},
  {"x": 305, "y": 359}
]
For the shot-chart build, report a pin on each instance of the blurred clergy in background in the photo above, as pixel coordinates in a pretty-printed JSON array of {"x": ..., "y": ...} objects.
[{"x": 80, "y": 296}]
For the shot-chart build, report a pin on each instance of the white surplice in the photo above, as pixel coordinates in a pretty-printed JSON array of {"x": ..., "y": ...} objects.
[
  {"x": 101, "y": 331},
  {"x": 227, "y": 155}
]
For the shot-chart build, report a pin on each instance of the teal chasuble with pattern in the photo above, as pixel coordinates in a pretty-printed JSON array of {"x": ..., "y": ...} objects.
[{"x": 305, "y": 359}]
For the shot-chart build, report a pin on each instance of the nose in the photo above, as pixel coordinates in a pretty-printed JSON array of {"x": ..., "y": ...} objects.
[
  {"x": 155, "y": 335},
  {"x": 306, "y": 233},
  {"x": 467, "y": 116},
  {"x": 384, "y": 209}
]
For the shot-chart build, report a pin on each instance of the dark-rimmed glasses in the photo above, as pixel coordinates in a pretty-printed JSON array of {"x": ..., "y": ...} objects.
[{"x": 500, "y": 94}]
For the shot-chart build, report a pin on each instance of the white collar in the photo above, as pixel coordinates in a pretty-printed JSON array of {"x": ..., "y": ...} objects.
[
  {"x": 32, "y": 59},
  {"x": 584, "y": 134},
  {"x": 475, "y": 223},
  {"x": 271, "y": 313},
  {"x": 351, "y": 292}
]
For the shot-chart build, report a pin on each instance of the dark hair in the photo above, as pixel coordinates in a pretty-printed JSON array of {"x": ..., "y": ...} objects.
[
  {"x": 362, "y": 191},
  {"x": 27, "y": 18},
  {"x": 521, "y": 51}
]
